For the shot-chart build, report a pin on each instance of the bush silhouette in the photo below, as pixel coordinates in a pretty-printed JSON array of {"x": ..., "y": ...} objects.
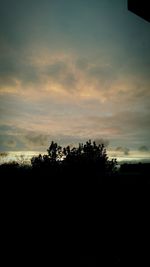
[{"x": 86, "y": 160}]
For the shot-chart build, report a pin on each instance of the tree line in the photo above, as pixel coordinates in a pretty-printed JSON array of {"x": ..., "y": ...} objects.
[{"x": 85, "y": 159}]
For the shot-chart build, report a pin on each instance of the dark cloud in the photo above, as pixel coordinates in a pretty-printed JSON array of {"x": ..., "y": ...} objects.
[
  {"x": 143, "y": 149},
  {"x": 36, "y": 140},
  {"x": 18, "y": 138}
]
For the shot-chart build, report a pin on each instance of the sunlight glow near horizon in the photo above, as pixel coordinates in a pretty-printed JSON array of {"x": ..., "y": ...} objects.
[{"x": 25, "y": 156}]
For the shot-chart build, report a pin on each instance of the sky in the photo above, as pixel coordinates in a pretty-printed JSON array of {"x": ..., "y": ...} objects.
[{"x": 73, "y": 70}]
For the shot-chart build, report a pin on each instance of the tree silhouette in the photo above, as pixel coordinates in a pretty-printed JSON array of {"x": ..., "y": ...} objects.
[
  {"x": 90, "y": 160},
  {"x": 54, "y": 151},
  {"x": 85, "y": 160},
  {"x": 36, "y": 162}
]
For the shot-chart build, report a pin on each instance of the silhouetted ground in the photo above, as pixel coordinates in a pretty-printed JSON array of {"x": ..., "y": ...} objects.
[
  {"x": 129, "y": 173},
  {"x": 75, "y": 216}
]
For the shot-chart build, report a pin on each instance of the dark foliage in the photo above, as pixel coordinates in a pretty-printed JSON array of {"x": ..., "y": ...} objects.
[
  {"x": 71, "y": 208},
  {"x": 88, "y": 162}
]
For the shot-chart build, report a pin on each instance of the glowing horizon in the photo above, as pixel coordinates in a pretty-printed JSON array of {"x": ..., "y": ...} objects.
[{"x": 121, "y": 156}]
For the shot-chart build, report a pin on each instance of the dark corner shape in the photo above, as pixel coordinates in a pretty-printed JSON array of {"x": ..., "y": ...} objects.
[{"x": 140, "y": 8}]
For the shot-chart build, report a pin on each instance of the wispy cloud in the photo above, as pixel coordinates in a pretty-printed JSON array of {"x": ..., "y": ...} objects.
[
  {"x": 71, "y": 70},
  {"x": 125, "y": 150},
  {"x": 143, "y": 149}
]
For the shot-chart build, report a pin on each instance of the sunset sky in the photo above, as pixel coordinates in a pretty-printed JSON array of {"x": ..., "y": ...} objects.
[{"x": 71, "y": 70}]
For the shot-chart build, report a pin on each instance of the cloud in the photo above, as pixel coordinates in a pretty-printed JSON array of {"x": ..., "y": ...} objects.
[
  {"x": 74, "y": 121},
  {"x": 143, "y": 149},
  {"x": 17, "y": 138},
  {"x": 10, "y": 143},
  {"x": 33, "y": 139},
  {"x": 124, "y": 122},
  {"x": 125, "y": 150},
  {"x": 82, "y": 63},
  {"x": 103, "y": 74},
  {"x": 71, "y": 77},
  {"x": 56, "y": 69}
]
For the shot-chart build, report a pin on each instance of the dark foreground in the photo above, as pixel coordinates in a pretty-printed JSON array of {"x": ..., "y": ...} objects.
[{"x": 72, "y": 217}]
